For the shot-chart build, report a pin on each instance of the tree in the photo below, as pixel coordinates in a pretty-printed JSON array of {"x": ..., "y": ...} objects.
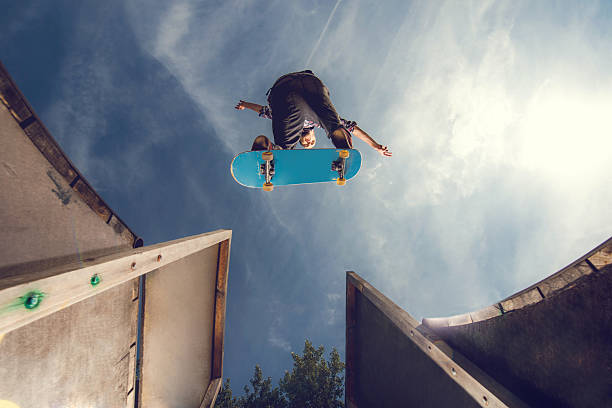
[
  {"x": 263, "y": 395},
  {"x": 225, "y": 398},
  {"x": 314, "y": 382}
]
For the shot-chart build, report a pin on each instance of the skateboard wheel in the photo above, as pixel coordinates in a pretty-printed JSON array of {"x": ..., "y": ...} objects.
[
  {"x": 267, "y": 156},
  {"x": 268, "y": 187},
  {"x": 344, "y": 154},
  {"x": 341, "y": 181}
]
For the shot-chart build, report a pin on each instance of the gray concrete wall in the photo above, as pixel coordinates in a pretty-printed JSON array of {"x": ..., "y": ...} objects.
[
  {"x": 550, "y": 343},
  {"x": 77, "y": 357},
  {"x": 48, "y": 212},
  {"x": 392, "y": 361},
  {"x": 84, "y": 354},
  {"x": 391, "y": 371}
]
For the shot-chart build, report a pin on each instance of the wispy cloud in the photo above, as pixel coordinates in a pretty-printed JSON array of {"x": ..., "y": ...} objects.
[
  {"x": 217, "y": 53},
  {"x": 277, "y": 326},
  {"x": 479, "y": 122},
  {"x": 333, "y": 309},
  {"x": 174, "y": 26},
  {"x": 323, "y": 31},
  {"x": 276, "y": 340}
]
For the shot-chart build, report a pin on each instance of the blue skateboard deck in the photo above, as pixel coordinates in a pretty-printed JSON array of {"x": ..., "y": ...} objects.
[{"x": 303, "y": 166}]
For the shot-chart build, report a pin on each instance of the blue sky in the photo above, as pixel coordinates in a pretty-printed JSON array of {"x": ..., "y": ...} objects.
[{"x": 497, "y": 113}]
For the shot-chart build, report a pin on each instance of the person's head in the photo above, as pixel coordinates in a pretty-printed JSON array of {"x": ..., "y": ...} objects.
[
  {"x": 308, "y": 139},
  {"x": 261, "y": 143}
]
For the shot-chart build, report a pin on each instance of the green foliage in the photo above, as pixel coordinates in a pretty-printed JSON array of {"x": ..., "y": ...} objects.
[
  {"x": 313, "y": 382},
  {"x": 263, "y": 395},
  {"x": 225, "y": 398}
]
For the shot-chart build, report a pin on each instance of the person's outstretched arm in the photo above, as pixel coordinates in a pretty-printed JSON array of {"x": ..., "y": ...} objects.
[
  {"x": 249, "y": 105},
  {"x": 383, "y": 150}
]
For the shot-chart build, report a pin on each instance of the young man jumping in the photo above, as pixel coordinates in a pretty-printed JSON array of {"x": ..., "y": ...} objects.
[{"x": 297, "y": 103}]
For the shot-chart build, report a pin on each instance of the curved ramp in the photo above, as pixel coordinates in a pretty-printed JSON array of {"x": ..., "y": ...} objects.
[{"x": 549, "y": 344}]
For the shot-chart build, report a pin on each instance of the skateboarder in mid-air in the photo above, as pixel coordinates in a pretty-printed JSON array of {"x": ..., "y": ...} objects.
[{"x": 297, "y": 103}]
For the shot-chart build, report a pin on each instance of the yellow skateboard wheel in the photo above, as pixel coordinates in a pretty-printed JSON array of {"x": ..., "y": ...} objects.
[
  {"x": 268, "y": 187},
  {"x": 267, "y": 156},
  {"x": 344, "y": 154},
  {"x": 341, "y": 181}
]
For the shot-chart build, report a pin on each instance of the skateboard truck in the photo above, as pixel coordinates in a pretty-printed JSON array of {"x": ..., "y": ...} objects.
[
  {"x": 339, "y": 165},
  {"x": 267, "y": 169}
]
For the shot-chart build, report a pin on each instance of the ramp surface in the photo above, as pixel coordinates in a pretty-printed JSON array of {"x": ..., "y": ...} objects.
[{"x": 550, "y": 343}]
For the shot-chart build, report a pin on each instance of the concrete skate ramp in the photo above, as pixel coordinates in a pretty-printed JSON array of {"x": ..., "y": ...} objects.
[
  {"x": 393, "y": 361},
  {"x": 550, "y": 344},
  {"x": 88, "y": 316}
]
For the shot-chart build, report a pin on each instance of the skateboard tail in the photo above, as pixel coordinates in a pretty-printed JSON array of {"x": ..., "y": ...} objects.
[{"x": 237, "y": 175}]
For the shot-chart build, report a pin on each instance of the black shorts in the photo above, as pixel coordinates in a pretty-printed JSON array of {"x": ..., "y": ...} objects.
[{"x": 294, "y": 98}]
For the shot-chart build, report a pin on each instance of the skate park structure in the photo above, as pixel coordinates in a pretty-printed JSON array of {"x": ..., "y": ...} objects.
[
  {"x": 91, "y": 317},
  {"x": 545, "y": 346},
  {"x": 88, "y": 315}
]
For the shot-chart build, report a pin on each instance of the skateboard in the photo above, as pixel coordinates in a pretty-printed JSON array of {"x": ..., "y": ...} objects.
[{"x": 266, "y": 169}]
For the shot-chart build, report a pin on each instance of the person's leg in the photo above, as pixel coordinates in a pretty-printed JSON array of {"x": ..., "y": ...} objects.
[
  {"x": 288, "y": 114},
  {"x": 317, "y": 96},
  {"x": 341, "y": 138},
  {"x": 261, "y": 143}
]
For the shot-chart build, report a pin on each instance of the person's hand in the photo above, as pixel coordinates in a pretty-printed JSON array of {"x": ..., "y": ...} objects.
[
  {"x": 383, "y": 150},
  {"x": 240, "y": 105}
]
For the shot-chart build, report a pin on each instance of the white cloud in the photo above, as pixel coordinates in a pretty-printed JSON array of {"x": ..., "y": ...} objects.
[
  {"x": 173, "y": 28},
  {"x": 481, "y": 123},
  {"x": 333, "y": 308},
  {"x": 470, "y": 106},
  {"x": 275, "y": 337},
  {"x": 278, "y": 341},
  {"x": 565, "y": 131},
  {"x": 220, "y": 54},
  {"x": 316, "y": 46}
]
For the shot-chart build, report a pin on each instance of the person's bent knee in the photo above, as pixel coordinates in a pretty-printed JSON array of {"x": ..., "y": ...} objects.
[
  {"x": 341, "y": 138},
  {"x": 261, "y": 142}
]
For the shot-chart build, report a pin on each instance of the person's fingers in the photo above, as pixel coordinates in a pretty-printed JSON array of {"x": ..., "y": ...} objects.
[{"x": 384, "y": 151}]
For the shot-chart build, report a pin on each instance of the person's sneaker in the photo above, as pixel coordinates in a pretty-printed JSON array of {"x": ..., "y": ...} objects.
[{"x": 341, "y": 138}]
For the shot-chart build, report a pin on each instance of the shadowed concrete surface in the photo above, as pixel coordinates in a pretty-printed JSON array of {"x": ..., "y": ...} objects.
[
  {"x": 422, "y": 383},
  {"x": 76, "y": 345},
  {"x": 545, "y": 346},
  {"x": 550, "y": 343},
  {"x": 392, "y": 361},
  {"x": 50, "y": 216}
]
